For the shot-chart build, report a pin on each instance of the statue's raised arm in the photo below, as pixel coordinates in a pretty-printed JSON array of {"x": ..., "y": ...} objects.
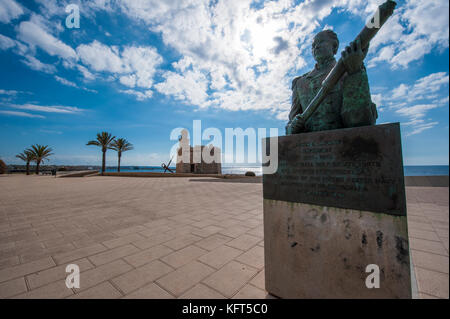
[{"x": 336, "y": 94}]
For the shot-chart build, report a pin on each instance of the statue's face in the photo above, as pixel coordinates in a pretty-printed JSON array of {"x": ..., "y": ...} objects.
[{"x": 323, "y": 47}]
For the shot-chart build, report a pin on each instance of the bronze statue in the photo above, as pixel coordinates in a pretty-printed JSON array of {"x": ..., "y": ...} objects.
[{"x": 336, "y": 94}]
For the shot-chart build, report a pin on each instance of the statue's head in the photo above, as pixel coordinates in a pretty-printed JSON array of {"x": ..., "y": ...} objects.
[{"x": 325, "y": 45}]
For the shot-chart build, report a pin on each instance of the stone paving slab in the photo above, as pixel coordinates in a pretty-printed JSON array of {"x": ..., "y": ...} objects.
[
  {"x": 201, "y": 291},
  {"x": 166, "y": 238},
  {"x": 182, "y": 279}
]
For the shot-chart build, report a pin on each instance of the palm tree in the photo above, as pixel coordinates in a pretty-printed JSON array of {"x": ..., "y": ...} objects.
[
  {"x": 121, "y": 145},
  {"x": 104, "y": 140},
  {"x": 40, "y": 154},
  {"x": 27, "y": 156}
]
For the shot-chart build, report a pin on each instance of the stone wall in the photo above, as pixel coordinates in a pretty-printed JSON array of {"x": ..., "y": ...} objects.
[{"x": 202, "y": 167}]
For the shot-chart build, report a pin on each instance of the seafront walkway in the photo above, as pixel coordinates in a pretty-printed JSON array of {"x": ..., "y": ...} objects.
[{"x": 166, "y": 238}]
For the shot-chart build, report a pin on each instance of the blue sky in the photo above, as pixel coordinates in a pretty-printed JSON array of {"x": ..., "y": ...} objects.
[{"x": 139, "y": 69}]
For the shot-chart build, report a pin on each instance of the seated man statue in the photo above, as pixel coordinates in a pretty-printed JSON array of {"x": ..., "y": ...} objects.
[{"x": 348, "y": 104}]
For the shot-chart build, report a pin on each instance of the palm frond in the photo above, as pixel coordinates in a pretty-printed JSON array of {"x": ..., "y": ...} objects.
[
  {"x": 40, "y": 152},
  {"x": 122, "y": 145},
  {"x": 104, "y": 140},
  {"x": 26, "y": 156},
  {"x": 96, "y": 143},
  {"x": 22, "y": 156}
]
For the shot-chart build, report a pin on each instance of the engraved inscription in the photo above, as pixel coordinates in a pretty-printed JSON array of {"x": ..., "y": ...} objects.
[{"x": 342, "y": 168}]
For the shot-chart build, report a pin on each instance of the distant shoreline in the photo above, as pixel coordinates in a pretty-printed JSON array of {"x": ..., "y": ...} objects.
[{"x": 409, "y": 170}]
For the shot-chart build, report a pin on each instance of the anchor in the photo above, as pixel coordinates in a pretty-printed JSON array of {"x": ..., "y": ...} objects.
[{"x": 166, "y": 167}]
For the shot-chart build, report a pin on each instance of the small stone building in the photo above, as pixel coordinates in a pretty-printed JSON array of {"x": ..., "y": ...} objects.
[{"x": 200, "y": 160}]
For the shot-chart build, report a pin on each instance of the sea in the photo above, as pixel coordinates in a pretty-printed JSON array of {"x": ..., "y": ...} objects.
[{"x": 408, "y": 170}]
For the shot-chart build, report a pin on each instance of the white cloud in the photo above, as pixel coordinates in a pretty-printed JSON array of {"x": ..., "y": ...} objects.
[
  {"x": 100, "y": 57},
  {"x": 283, "y": 116},
  {"x": 443, "y": 100},
  {"x": 137, "y": 64},
  {"x": 233, "y": 56},
  {"x": 413, "y": 101},
  {"x": 431, "y": 83},
  {"x": 400, "y": 91},
  {"x": 50, "y": 8},
  {"x": 37, "y": 65},
  {"x": 128, "y": 80},
  {"x": 416, "y": 111},
  {"x": 88, "y": 8},
  {"x": 183, "y": 64},
  {"x": 21, "y": 114},
  {"x": 415, "y": 30},
  {"x": 86, "y": 73},
  {"x": 430, "y": 19},
  {"x": 140, "y": 96},
  {"x": 134, "y": 66},
  {"x": 143, "y": 62},
  {"x": 422, "y": 127},
  {"x": 391, "y": 32},
  {"x": 72, "y": 84},
  {"x": 423, "y": 88},
  {"x": 190, "y": 87},
  {"x": 248, "y": 55},
  {"x": 377, "y": 99},
  {"x": 8, "y": 92},
  {"x": 10, "y": 10},
  {"x": 48, "y": 109},
  {"x": 385, "y": 54},
  {"x": 65, "y": 81},
  {"x": 33, "y": 32},
  {"x": 101, "y": 4},
  {"x": 6, "y": 43}
]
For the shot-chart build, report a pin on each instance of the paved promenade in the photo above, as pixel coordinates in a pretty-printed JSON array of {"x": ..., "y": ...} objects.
[{"x": 165, "y": 237}]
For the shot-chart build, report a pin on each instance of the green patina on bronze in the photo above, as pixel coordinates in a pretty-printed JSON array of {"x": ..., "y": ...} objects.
[
  {"x": 348, "y": 104},
  {"x": 343, "y": 98}
]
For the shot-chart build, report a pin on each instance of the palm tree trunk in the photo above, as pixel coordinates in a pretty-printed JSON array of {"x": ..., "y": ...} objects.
[
  {"x": 118, "y": 164},
  {"x": 28, "y": 168},
  {"x": 37, "y": 167},
  {"x": 103, "y": 161}
]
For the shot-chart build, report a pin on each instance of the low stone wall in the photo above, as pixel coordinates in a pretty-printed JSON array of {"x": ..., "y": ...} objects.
[
  {"x": 76, "y": 174},
  {"x": 427, "y": 181},
  {"x": 423, "y": 181}
]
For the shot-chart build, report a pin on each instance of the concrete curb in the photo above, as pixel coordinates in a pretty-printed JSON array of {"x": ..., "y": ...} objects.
[{"x": 427, "y": 181}]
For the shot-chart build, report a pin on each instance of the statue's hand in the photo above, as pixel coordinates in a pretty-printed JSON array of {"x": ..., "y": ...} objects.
[
  {"x": 297, "y": 125},
  {"x": 353, "y": 56}
]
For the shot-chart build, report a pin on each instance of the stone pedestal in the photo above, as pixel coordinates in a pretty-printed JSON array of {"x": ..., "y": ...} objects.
[{"x": 335, "y": 206}]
